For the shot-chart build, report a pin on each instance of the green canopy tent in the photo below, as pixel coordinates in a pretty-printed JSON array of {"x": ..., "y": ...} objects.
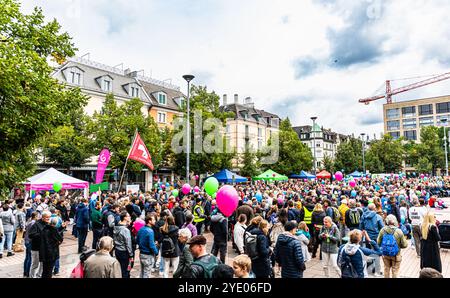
[{"x": 270, "y": 175}]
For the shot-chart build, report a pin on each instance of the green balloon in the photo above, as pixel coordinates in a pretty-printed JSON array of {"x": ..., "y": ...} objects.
[
  {"x": 214, "y": 195},
  {"x": 175, "y": 193},
  {"x": 211, "y": 185},
  {"x": 57, "y": 186}
]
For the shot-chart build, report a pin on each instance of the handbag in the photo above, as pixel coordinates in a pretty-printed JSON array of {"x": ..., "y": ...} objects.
[{"x": 78, "y": 271}]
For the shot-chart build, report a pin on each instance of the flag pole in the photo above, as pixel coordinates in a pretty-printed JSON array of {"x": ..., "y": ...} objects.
[{"x": 126, "y": 161}]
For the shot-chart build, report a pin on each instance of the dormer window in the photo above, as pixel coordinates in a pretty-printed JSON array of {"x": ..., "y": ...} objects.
[
  {"x": 107, "y": 85},
  {"x": 134, "y": 91},
  {"x": 162, "y": 98},
  {"x": 74, "y": 75}
]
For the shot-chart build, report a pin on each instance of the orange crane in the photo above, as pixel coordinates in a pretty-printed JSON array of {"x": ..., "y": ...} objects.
[{"x": 390, "y": 92}]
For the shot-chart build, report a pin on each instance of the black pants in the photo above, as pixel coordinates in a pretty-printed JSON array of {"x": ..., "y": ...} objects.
[
  {"x": 316, "y": 241},
  {"x": 82, "y": 234},
  {"x": 222, "y": 247},
  {"x": 199, "y": 226},
  {"x": 97, "y": 234},
  {"x": 124, "y": 259},
  {"x": 47, "y": 269}
]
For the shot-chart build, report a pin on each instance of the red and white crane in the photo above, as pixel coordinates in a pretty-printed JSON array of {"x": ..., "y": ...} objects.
[{"x": 390, "y": 92}]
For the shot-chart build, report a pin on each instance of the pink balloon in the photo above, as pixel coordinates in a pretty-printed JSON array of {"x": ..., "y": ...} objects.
[
  {"x": 227, "y": 199},
  {"x": 196, "y": 177},
  {"x": 280, "y": 201},
  {"x": 138, "y": 224},
  {"x": 339, "y": 176},
  {"x": 352, "y": 183},
  {"x": 422, "y": 175},
  {"x": 196, "y": 189},
  {"x": 163, "y": 186},
  {"x": 186, "y": 189},
  {"x": 305, "y": 180}
]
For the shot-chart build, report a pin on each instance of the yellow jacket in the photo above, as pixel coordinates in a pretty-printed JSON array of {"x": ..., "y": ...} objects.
[{"x": 342, "y": 209}]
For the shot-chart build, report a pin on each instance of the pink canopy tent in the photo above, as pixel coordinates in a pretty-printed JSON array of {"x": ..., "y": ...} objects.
[{"x": 45, "y": 180}]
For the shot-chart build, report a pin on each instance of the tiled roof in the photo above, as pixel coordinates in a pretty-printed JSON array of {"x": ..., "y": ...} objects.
[{"x": 253, "y": 115}]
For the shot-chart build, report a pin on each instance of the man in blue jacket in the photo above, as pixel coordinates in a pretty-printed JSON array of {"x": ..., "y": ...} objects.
[
  {"x": 288, "y": 252},
  {"x": 82, "y": 223},
  {"x": 147, "y": 247}
]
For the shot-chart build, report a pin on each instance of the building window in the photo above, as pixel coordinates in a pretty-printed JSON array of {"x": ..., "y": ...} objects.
[
  {"x": 426, "y": 110},
  {"x": 260, "y": 132},
  {"x": 409, "y": 123},
  {"x": 162, "y": 99},
  {"x": 410, "y": 135},
  {"x": 409, "y": 112},
  {"x": 443, "y": 107},
  {"x": 393, "y": 113},
  {"x": 107, "y": 85},
  {"x": 75, "y": 77},
  {"x": 395, "y": 135},
  {"x": 317, "y": 144},
  {"x": 393, "y": 125},
  {"x": 161, "y": 117},
  {"x": 247, "y": 131},
  {"x": 426, "y": 121},
  {"x": 227, "y": 129},
  {"x": 260, "y": 142},
  {"x": 134, "y": 91}
]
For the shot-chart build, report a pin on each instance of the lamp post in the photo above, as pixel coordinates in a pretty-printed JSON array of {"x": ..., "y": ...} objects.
[
  {"x": 363, "y": 147},
  {"x": 188, "y": 79},
  {"x": 444, "y": 121},
  {"x": 314, "y": 142}
]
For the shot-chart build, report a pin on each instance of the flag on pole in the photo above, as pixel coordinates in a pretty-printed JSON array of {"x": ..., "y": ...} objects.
[{"x": 139, "y": 152}]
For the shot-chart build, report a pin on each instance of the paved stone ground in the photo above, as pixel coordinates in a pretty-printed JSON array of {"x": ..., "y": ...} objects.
[{"x": 12, "y": 267}]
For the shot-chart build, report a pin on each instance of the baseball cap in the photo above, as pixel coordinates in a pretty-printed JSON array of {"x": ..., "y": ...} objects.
[{"x": 199, "y": 239}]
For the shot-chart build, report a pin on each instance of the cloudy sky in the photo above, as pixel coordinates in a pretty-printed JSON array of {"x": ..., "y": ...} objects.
[{"x": 296, "y": 58}]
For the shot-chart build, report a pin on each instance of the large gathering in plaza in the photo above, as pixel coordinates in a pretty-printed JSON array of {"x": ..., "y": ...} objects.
[{"x": 108, "y": 172}]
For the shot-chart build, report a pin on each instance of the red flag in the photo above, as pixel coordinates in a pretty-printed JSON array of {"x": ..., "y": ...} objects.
[{"x": 140, "y": 153}]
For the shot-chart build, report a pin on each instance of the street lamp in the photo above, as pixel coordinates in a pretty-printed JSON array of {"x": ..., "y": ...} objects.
[
  {"x": 363, "y": 145},
  {"x": 188, "y": 79},
  {"x": 314, "y": 142},
  {"x": 445, "y": 142}
]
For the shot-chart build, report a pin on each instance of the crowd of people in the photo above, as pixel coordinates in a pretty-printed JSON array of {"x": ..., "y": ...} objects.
[{"x": 276, "y": 230}]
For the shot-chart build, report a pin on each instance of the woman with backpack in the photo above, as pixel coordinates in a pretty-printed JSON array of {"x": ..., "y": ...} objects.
[
  {"x": 170, "y": 248},
  {"x": 317, "y": 217},
  {"x": 429, "y": 244},
  {"x": 391, "y": 240},
  {"x": 258, "y": 248}
]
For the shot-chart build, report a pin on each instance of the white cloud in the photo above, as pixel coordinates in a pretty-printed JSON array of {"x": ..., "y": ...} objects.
[{"x": 250, "y": 47}]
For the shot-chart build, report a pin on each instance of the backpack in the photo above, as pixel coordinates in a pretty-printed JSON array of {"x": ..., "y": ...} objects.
[
  {"x": 251, "y": 245},
  {"x": 389, "y": 246},
  {"x": 208, "y": 268},
  {"x": 336, "y": 214},
  {"x": 167, "y": 247},
  {"x": 276, "y": 231},
  {"x": 355, "y": 217},
  {"x": 347, "y": 268}
]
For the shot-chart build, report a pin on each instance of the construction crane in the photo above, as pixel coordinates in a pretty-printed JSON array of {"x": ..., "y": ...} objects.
[{"x": 390, "y": 92}]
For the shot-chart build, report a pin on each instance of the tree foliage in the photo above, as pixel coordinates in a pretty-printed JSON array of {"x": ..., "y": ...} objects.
[
  {"x": 328, "y": 163},
  {"x": 32, "y": 102},
  {"x": 248, "y": 161},
  {"x": 385, "y": 155},
  {"x": 349, "y": 156},
  {"x": 431, "y": 148},
  {"x": 294, "y": 156}
]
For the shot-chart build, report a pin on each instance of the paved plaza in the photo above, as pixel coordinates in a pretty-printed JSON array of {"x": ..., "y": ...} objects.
[{"x": 12, "y": 267}]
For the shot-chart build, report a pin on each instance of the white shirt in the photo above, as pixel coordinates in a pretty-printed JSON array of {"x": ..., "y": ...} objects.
[
  {"x": 416, "y": 215},
  {"x": 238, "y": 235}
]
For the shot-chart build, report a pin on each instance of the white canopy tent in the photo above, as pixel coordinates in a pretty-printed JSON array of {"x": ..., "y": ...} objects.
[{"x": 46, "y": 179}]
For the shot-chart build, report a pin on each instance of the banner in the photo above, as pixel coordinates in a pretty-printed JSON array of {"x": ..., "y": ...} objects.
[
  {"x": 96, "y": 187},
  {"x": 103, "y": 161},
  {"x": 132, "y": 188},
  {"x": 139, "y": 152}
]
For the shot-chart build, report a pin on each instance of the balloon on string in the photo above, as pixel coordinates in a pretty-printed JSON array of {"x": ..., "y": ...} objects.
[
  {"x": 421, "y": 176},
  {"x": 353, "y": 193},
  {"x": 167, "y": 184},
  {"x": 163, "y": 186},
  {"x": 138, "y": 224},
  {"x": 57, "y": 186},
  {"x": 175, "y": 193},
  {"x": 196, "y": 189},
  {"x": 196, "y": 177},
  {"x": 214, "y": 195},
  {"x": 186, "y": 189},
  {"x": 323, "y": 181},
  {"x": 339, "y": 176},
  {"x": 425, "y": 179},
  {"x": 227, "y": 200},
  {"x": 211, "y": 185},
  {"x": 352, "y": 183},
  {"x": 305, "y": 180},
  {"x": 258, "y": 197}
]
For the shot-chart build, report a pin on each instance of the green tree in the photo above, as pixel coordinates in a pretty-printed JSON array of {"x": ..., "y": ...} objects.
[
  {"x": 248, "y": 163},
  {"x": 69, "y": 145},
  {"x": 431, "y": 148},
  {"x": 114, "y": 127},
  {"x": 385, "y": 155},
  {"x": 294, "y": 156},
  {"x": 349, "y": 156},
  {"x": 424, "y": 165},
  {"x": 328, "y": 163},
  {"x": 32, "y": 102},
  {"x": 206, "y": 104}
]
